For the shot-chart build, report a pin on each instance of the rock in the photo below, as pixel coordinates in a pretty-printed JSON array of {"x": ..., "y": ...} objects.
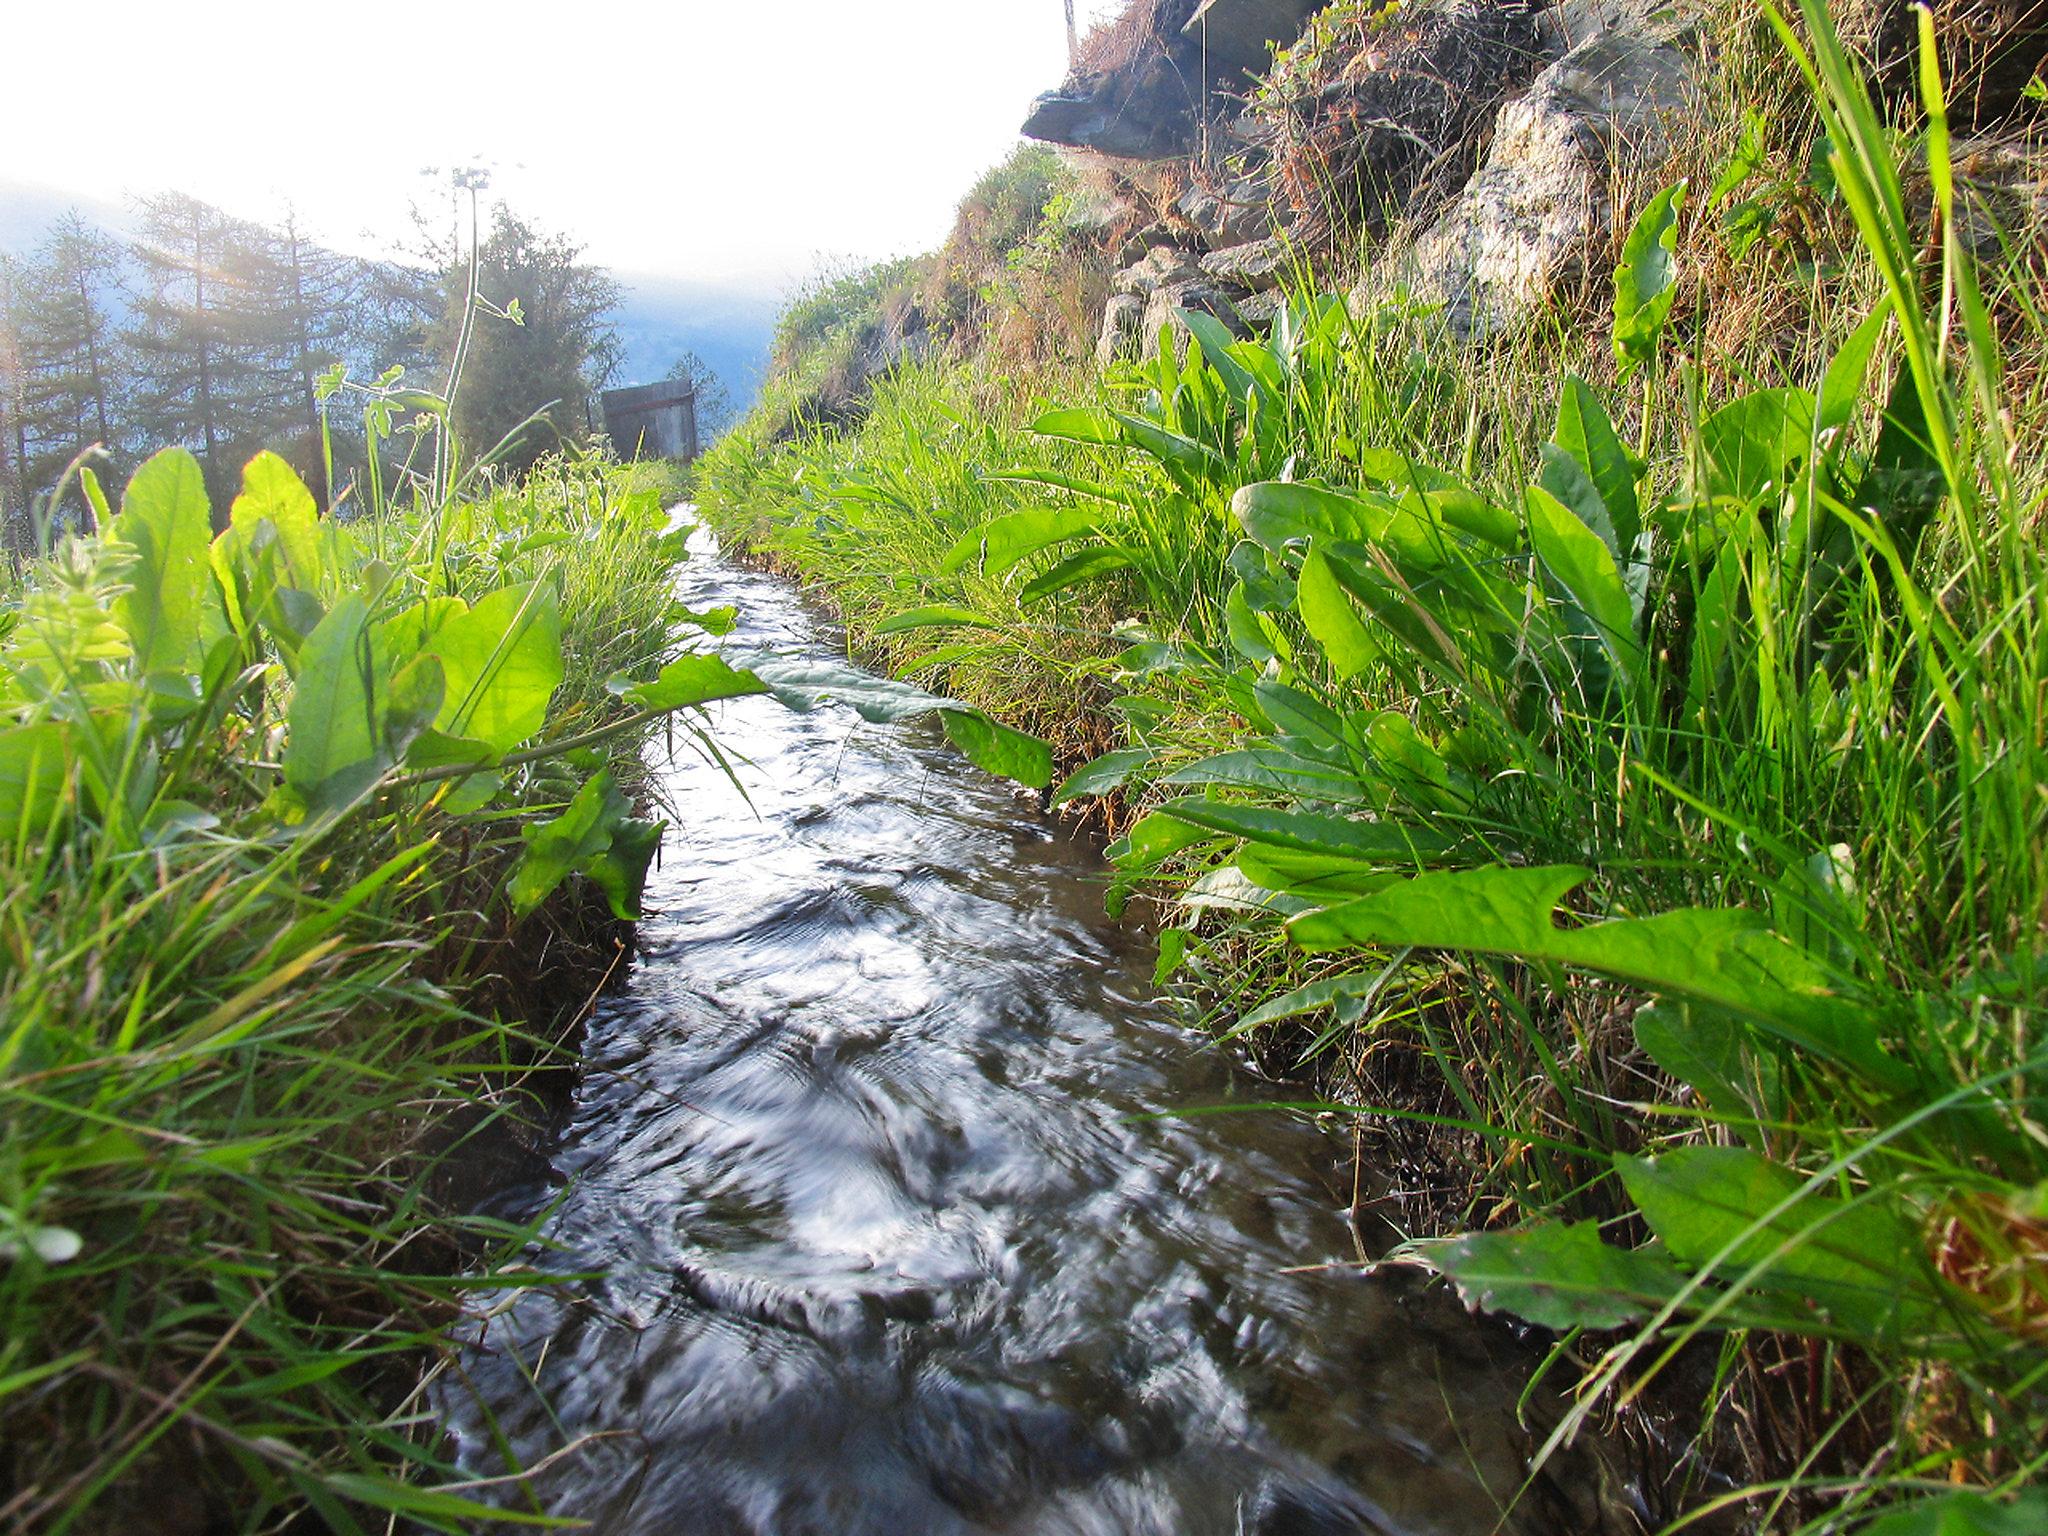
[
  {"x": 2001, "y": 203},
  {"x": 1562, "y": 27},
  {"x": 1133, "y": 250},
  {"x": 1523, "y": 226},
  {"x": 1204, "y": 296},
  {"x": 1145, "y": 113},
  {"x": 1255, "y": 266},
  {"x": 1242, "y": 34},
  {"x": 1163, "y": 264},
  {"x": 1385, "y": 130},
  {"x": 1989, "y": 50},
  {"x": 1258, "y": 310},
  {"x": 1242, "y": 210},
  {"x": 1123, "y": 329},
  {"x": 1171, "y": 61}
]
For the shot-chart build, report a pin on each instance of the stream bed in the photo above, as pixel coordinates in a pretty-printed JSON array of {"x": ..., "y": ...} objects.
[{"x": 882, "y": 1153}]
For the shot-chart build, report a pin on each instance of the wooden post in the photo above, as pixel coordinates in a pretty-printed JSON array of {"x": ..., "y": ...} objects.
[{"x": 1073, "y": 38}]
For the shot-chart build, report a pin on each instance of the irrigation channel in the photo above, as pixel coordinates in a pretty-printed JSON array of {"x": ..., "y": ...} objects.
[{"x": 880, "y": 1151}]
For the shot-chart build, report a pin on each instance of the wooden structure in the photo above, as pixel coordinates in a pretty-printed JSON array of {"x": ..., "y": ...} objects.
[{"x": 652, "y": 421}]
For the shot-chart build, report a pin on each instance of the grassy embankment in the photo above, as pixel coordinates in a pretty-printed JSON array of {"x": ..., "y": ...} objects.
[
  {"x": 284, "y": 811},
  {"x": 1614, "y": 757}
]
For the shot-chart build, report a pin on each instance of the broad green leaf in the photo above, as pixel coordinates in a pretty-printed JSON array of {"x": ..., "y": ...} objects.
[
  {"x": 1565, "y": 478},
  {"x": 1724, "y": 958},
  {"x": 502, "y": 661},
  {"x": 1374, "y": 843},
  {"x": 1171, "y": 449},
  {"x": 803, "y": 683},
  {"x": 1110, "y": 771},
  {"x": 35, "y": 778},
  {"x": 1967, "y": 1514},
  {"x": 1000, "y": 749},
  {"x": 273, "y": 492},
  {"x": 1079, "y": 425},
  {"x": 410, "y": 632},
  {"x": 1580, "y": 562},
  {"x": 1715, "y": 617},
  {"x": 1842, "y": 388},
  {"x": 1585, "y": 431},
  {"x": 164, "y": 519},
  {"x": 1246, "y": 630},
  {"x": 1714, "y": 1054},
  {"x": 1294, "y": 713},
  {"x": 713, "y": 621},
  {"x": 1326, "y": 610},
  {"x": 1750, "y": 443},
  {"x": 1644, "y": 282},
  {"x": 1002, "y": 542},
  {"x": 688, "y": 681},
  {"x": 1338, "y": 992},
  {"x": 935, "y": 616},
  {"x": 1558, "y": 1275},
  {"x": 1269, "y": 767},
  {"x": 1858, "y": 1264},
  {"x": 557, "y": 848},
  {"x": 1153, "y": 838},
  {"x": 1088, "y": 565},
  {"x": 332, "y": 719},
  {"x": 1065, "y": 482},
  {"x": 1278, "y": 513},
  {"x": 1904, "y": 481},
  {"x": 1216, "y": 342},
  {"x": 621, "y": 870},
  {"x": 1266, "y": 590}
]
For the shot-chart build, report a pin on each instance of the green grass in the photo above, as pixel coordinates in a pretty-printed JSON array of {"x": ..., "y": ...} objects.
[
  {"x": 1726, "y": 638},
  {"x": 250, "y": 1011}
]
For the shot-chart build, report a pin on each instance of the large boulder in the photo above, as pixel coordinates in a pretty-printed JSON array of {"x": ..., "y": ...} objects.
[
  {"x": 1242, "y": 34},
  {"x": 1147, "y": 81},
  {"x": 1525, "y": 223}
]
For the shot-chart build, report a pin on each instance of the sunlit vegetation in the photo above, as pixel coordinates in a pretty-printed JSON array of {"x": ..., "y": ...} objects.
[{"x": 1611, "y": 762}]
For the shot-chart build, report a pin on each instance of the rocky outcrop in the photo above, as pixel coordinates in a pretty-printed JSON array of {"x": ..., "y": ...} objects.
[
  {"x": 1566, "y": 99},
  {"x": 1241, "y": 34},
  {"x": 1526, "y": 222},
  {"x": 1145, "y": 84}
]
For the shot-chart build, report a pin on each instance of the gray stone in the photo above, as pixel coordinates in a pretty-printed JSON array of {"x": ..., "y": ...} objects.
[
  {"x": 1204, "y": 296},
  {"x": 1163, "y": 264},
  {"x": 1256, "y": 266},
  {"x": 1241, "y": 34},
  {"x": 1123, "y": 329},
  {"x": 1257, "y": 310},
  {"x": 1240, "y": 211},
  {"x": 1562, "y": 27},
  {"x": 1523, "y": 226}
]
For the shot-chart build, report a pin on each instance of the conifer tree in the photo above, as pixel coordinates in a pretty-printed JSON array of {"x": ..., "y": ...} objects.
[
  {"x": 293, "y": 315},
  {"x": 198, "y": 374},
  {"x": 559, "y": 349},
  {"x": 14, "y": 520},
  {"x": 69, "y": 370}
]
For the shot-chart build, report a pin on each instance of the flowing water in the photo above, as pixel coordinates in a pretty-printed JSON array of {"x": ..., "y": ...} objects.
[{"x": 880, "y": 1153}]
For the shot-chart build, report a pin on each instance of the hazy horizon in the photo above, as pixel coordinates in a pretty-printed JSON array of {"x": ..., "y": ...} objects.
[{"x": 688, "y": 150}]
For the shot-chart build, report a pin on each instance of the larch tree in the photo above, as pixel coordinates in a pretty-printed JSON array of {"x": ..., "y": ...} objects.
[
  {"x": 198, "y": 369},
  {"x": 70, "y": 371}
]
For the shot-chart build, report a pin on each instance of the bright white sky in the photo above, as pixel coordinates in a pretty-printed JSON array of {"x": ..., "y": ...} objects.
[{"x": 711, "y": 139}]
